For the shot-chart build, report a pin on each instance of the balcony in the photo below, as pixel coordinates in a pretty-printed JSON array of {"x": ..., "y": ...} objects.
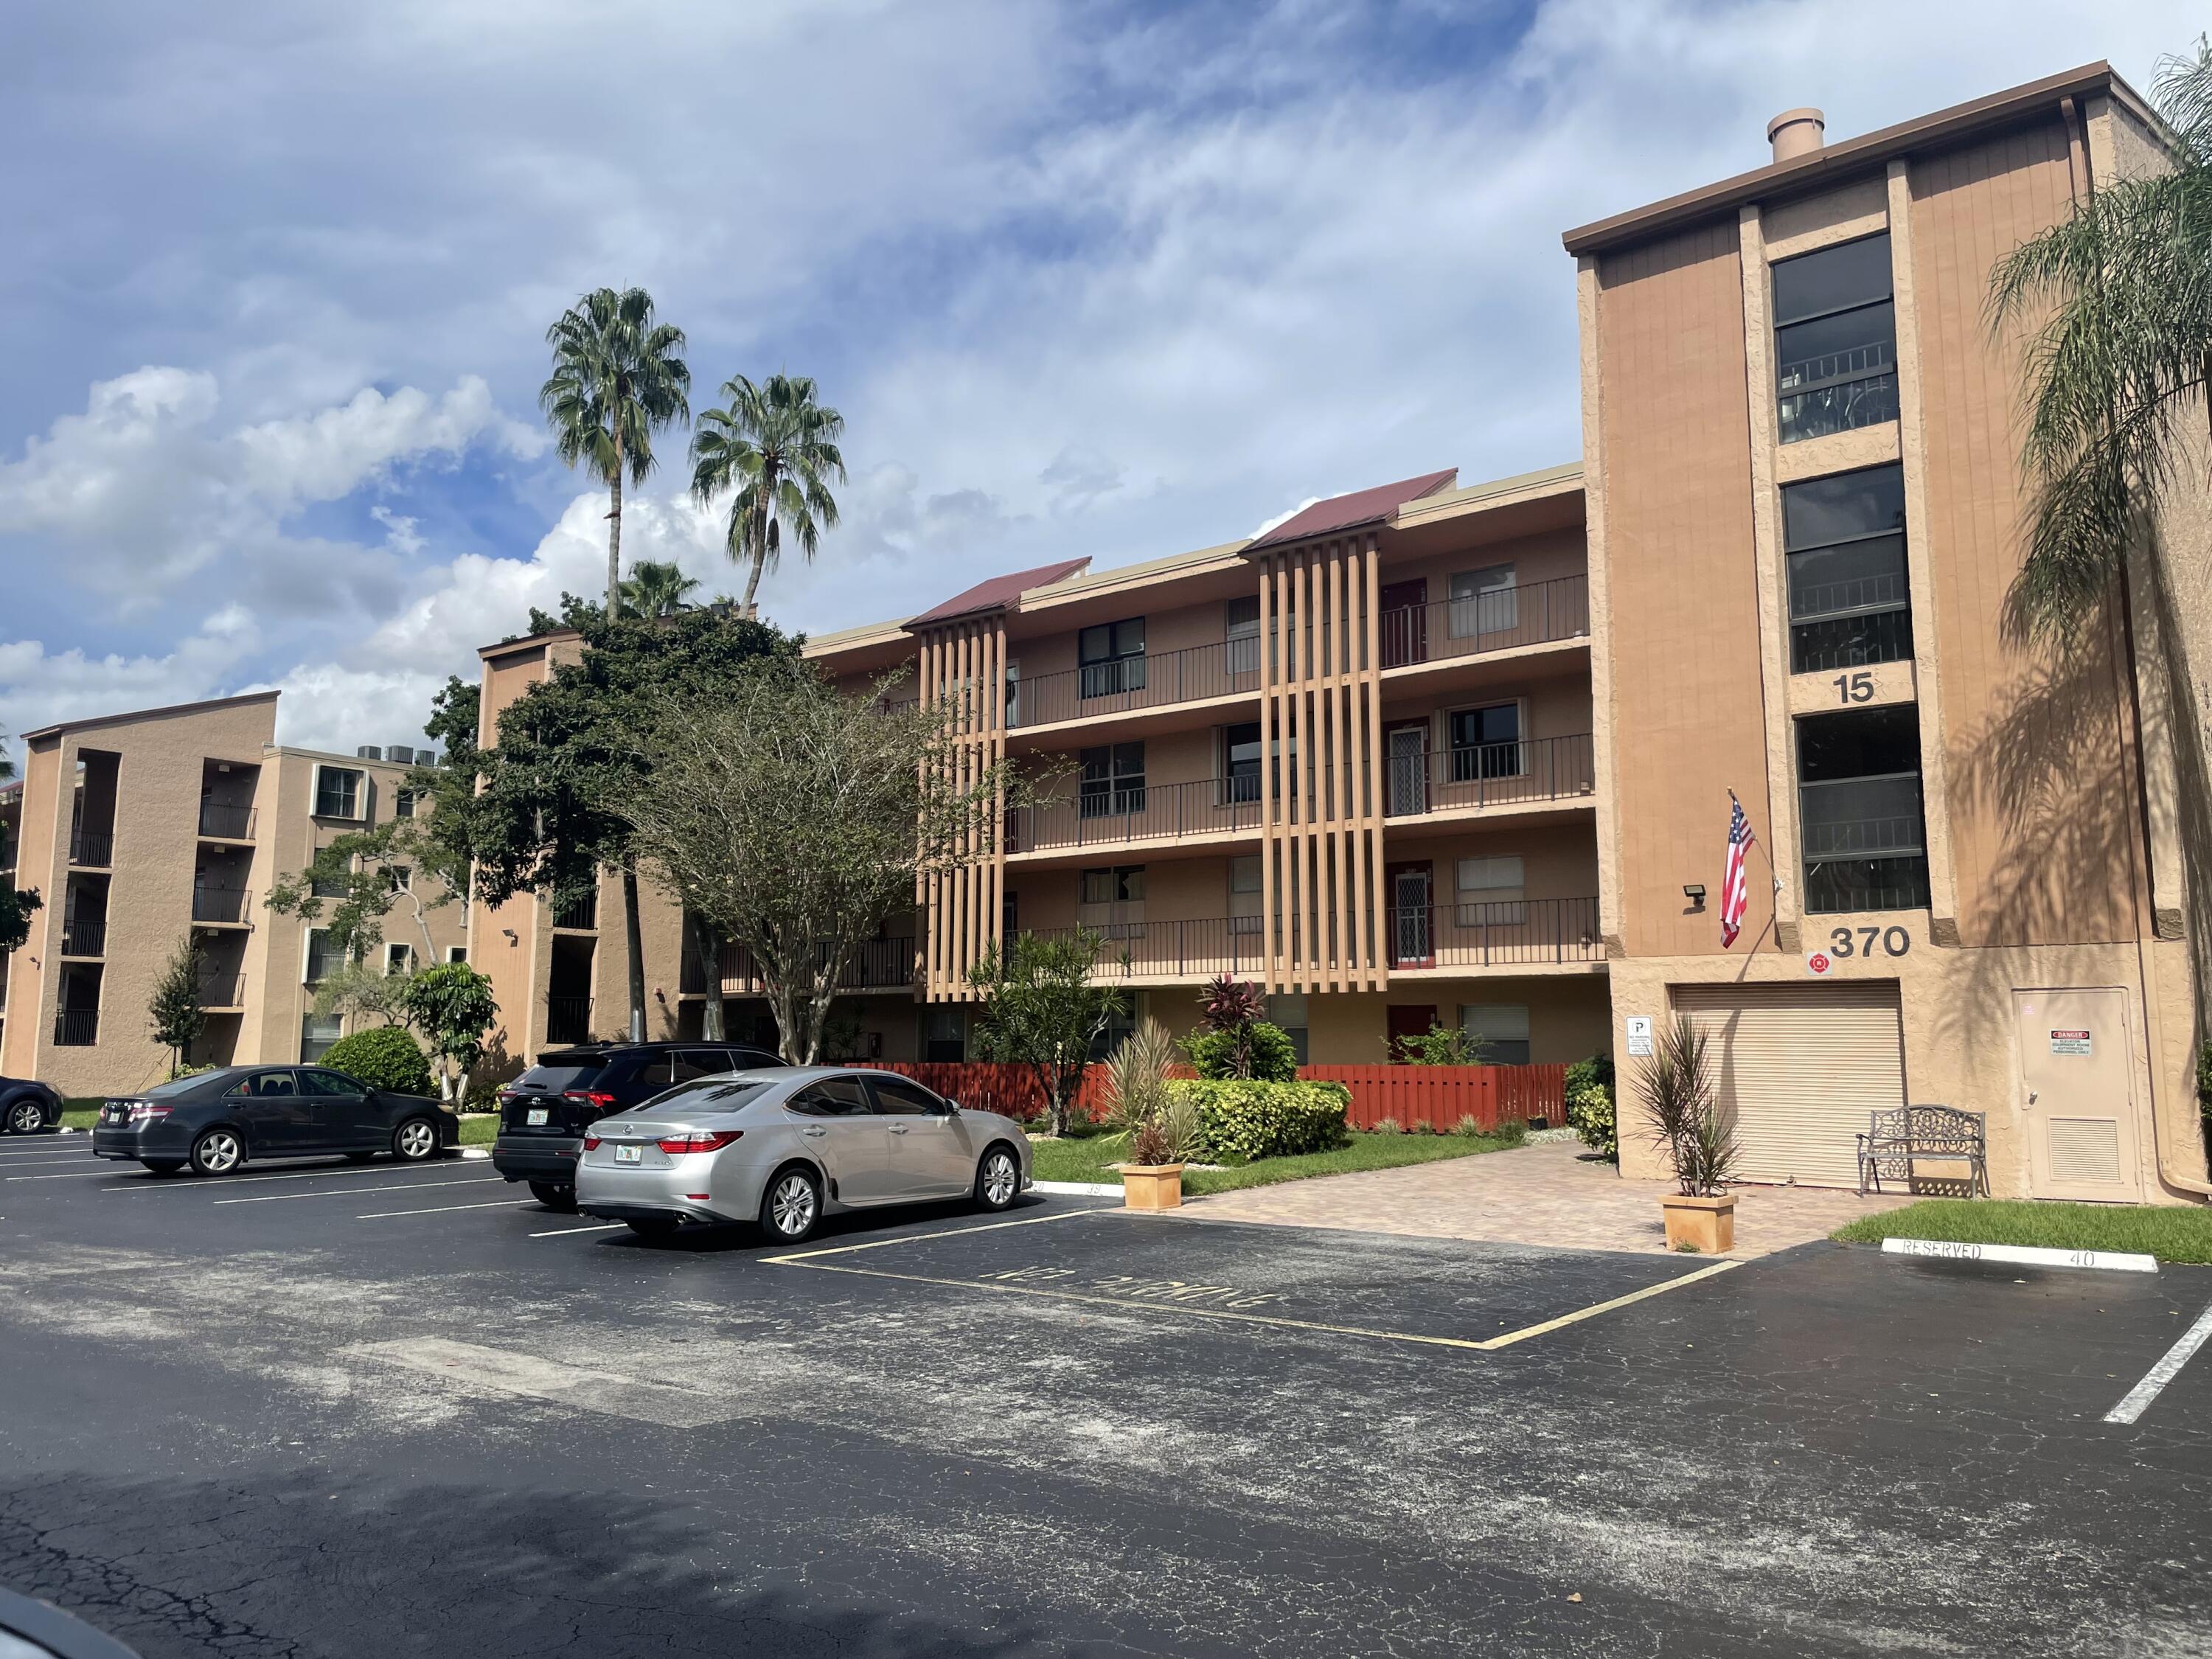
[
  {"x": 92, "y": 849},
  {"x": 76, "y": 1028},
  {"x": 221, "y": 907},
  {"x": 83, "y": 938},
  {"x": 221, "y": 822},
  {"x": 580, "y": 914},
  {"x": 222, "y": 993},
  {"x": 1511, "y": 934},
  {"x": 1174, "y": 949},
  {"x": 1840, "y": 391},
  {"x": 568, "y": 1019},
  {"x": 1226, "y": 668},
  {"x": 1115, "y": 817},
  {"x": 881, "y": 964},
  {"x": 1481, "y": 624},
  {"x": 1528, "y": 769}
]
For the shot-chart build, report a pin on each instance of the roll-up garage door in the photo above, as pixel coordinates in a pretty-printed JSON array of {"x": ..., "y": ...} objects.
[{"x": 1800, "y": 1066}]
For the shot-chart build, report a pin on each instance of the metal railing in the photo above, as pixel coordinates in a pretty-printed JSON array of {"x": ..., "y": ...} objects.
[
  {"x": 220, "y": 904},
  {"x": 1489, "y": 775},
  {"x": 76, "y": 1028},
  {"x": 881, "y": 964},
  {"x": 1191, "y": 675},
  {"x": 1875, "y": 816},
  {"x": 225, "y": 822},
  {"x": 568, "y": 1019},
  {"x": 223, "y": 992},
  {"x": 1110, "y": 817},
  {"x": 1510, "y": 933},
  {"x": 1475, "y": 624},
  {"x": 84, "y": 938},
  {"x": 92, "y": 847},
  {"x": 1833, "y": 642},
  {"x": 581, "y": 913},
  {"x": 1174, "y": 950},
  {"x": 1838, "y": 393}
]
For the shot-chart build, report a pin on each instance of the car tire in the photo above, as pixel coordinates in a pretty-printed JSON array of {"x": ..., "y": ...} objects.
[
  {"x": 652, "y": 1226},
  {"x": 998, "y": 1178},
  {"x": 554, "y": 1196},
  {"x": 361, "y": 1157},
  {"x": 217, "y": 1153},
  {"x": 26, "y": 1117},
  {"x": 415, "y": 1140},
  {"x": 791, "y": 1204},
  {"x": 162, "y": 1166}
]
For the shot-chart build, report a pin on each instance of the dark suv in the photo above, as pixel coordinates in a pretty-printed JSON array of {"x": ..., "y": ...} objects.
[{"x": 543, "y": 1113}]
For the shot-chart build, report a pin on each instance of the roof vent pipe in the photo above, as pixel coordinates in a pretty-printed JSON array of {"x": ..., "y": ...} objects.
[{"x": 1796, "y": 132}]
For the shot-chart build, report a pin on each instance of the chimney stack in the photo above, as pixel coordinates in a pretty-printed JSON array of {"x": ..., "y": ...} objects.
[{"x": 1796, "y": 132}]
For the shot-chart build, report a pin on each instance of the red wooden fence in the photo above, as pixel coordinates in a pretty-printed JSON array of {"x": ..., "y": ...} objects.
[{"x": 1436, "y": 1096}]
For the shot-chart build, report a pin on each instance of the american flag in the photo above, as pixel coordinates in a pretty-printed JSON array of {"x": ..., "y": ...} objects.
[{"x": 1734, "y": 894}]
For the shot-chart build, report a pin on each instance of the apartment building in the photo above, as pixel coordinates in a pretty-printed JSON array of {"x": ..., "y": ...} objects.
[
  {"x": 1805, "y": 510},
  {"x": 140, "y": 828}
]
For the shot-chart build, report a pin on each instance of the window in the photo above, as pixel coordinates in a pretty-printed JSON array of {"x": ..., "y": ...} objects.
[
  {"x": 1010, "y": 917},
  {"x": 1859, "y": 810},
  {"x": 336, "y": 886},
  {"x": 833, "y": 1096},
  {"x": 685, "y": 1064},
  {"x": 317, "y": 1033},
  {"x": 263, "y": 1085},
  {"x": 1492, "y": 892},
  {"x": 399, "y": 958},
  {"x": 1835, "y": 339},
  {"x": 402, "y": 878},
  {"x": 457, "y": 953},
  {"x": 1113, "y": 780},
  {"x": 1483, "y": 602},
  {"x": 322, "y": 958},
  {"x": 899, "y": 1096},
  {"x": 338, "y": 793},
  {"x": 1112, "y": 656},
  {"x": 1486, "y": 743},
  {"x": 1245, "y": 897},
  {"x": 944, "y": 1033},
  {"x": 1844, "y": 537},
  {"x": 1242, "y": 629},
  {"x": 1289, "y": 1012},
  {"x": 1121, "y": 1026},
  {"x": 1239, "y": 764},
  {"x": 1013, "y": 693},
  {"x": 402, "y": 804},
  {"x": 1503, "y": 1028},
  {"x": 330, "y": 1085}
]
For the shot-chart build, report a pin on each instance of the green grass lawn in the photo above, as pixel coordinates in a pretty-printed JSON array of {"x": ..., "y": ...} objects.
[
  {"x": 2170, "y": 1234},
  {"x": 1086, "y": 1158}
]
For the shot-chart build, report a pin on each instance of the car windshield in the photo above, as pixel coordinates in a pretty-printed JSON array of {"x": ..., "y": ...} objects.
[
  {"x": 706, "y": 1094},
  {"x": 177, "y": 1085},
  {"x": 555, "y": 1078}
]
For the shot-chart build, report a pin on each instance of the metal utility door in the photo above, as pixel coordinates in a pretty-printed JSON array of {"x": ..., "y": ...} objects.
[
  {"x": 1409, "y": 770},
  {"x": 2076, "y": 1096}
]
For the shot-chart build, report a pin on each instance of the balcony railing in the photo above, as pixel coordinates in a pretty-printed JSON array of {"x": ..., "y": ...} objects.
[
  {"x": 1838, "y": 392},
  {"x": 1192, "y": 675},
  {"x": 226, "y": 823},
  {"x": 81, "y": 938},
  {"x": 581, "y": 912},
  {"x": 1513, "y": 933},
  {"x": 93, "y": 848},
  {"x": 1174, "y": 949},
  {"x": 1491, "y": 775},
  {"x": 881, "y": 964},
  {"x": 76, "y": 1028},
  {"x": 568, "y": 1019},
  {"x": 1496, "y": 619},
  {"x": 223, "y": 992},
  {"x": 1110, "y": 817},
  {"x": 220, "y": 904}
]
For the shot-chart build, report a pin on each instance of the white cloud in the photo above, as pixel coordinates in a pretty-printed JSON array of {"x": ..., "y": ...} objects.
[{"x": 39, "y": 687}]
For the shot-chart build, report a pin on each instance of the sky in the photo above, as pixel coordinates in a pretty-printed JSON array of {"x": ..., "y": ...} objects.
[{"x": 1115, "y": 280}]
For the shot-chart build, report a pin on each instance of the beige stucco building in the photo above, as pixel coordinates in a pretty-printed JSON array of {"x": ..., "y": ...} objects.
[{"x": 139, "y": 828}]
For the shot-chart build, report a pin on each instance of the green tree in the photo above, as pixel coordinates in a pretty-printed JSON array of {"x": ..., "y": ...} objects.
[
  {"x": 1442, "y": 1045},
  {"x": 776, "y": 444},
  {"x": 17, "y": 903},
  {"x": 2117, "y": 371},
  {"x": 174, "y": 1009},
  {"x": 361, "y": 877},
  {"x": 359, "y": 991},
  {"x": 616, "y": 379},
  {"x": 1041, "y": 1009},
  {"x": 453, "y": 1007},
  {"x": 657, "y": 587}
]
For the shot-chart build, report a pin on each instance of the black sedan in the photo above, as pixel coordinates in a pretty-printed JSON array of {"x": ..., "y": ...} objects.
[
  {"x": 218, "y": 1120},
  {"x": 27, "y": 1108}
]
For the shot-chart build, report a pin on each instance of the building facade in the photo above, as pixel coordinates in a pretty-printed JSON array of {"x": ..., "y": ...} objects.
[{"x": 140, "y": 830}]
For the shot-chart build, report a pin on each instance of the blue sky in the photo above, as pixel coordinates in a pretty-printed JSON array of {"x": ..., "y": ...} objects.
[{"x": 1113, "y": 280}]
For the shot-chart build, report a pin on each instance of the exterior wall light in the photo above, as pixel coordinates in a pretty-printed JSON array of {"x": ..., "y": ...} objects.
[{"x": 1695, "y": 892}]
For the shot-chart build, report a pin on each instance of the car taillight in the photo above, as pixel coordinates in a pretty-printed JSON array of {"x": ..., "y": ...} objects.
[
  {"x": 589, "y": 1097},
  {"x": 677, "y": 1145},
  {"x": 591, "y": 1143},
  {"x": 143, "y": 1109}
]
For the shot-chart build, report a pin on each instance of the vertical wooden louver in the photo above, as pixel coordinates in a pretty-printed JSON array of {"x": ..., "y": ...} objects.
[
  {"x": 1321, "y": 800},
  {"x": 963, "y": 664}
]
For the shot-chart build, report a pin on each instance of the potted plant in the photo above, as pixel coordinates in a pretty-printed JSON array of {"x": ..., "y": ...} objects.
[
  {"x": 1676, "y": 1090},
  {"x": 1152, "y": 1178},
  {"x": 1157, "y": 1127}
]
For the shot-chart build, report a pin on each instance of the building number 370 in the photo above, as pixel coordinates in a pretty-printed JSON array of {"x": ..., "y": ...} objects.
[{"x": 1892, "y": 941}]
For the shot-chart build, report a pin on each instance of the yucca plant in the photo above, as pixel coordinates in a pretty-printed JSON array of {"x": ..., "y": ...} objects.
[
  {"x": 1676, "y": 1089},
  {"x": 1136, "y": 1077}
]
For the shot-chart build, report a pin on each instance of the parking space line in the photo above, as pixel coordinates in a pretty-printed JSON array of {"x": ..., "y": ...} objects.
[
  {"x": 565, "y": 1233},
  {"x": 241, "y": 1180},
  {"x": 340, "y": 1192},
  {"x": 440, "y": 1209},
  {"x": 917, "y": 1238},
  {"x": 74, "y": 1175},
  {"x": 1597, "y": 1308},
  {"x": 2137, "y": 1399}
]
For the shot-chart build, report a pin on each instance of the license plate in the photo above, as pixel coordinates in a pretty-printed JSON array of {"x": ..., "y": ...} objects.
[
  {"x": 630, "y": 1154},
  {"x": 537, "y": 1115}
]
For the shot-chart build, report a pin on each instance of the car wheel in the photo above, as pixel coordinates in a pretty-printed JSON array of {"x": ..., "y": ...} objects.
[
  {"x": 652, "y": 1226},
  {"x": 217, "y": 1153},
  {"x": 26, "y": 1117},
  {"x": 359, "y": 1158},
  {"x": 998, "y": 1179},
  {"x": 554, "y": 1196},
  {"x": 791, "y": 1206},
  {"x": 161, "y": 1166},
  {"x": 415, "y": 1140}
]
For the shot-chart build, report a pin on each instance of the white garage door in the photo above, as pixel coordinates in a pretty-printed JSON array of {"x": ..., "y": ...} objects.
[{"x": 1800, "y": 1066}]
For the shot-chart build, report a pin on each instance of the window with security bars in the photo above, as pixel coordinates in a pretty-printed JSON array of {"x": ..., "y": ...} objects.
[
  {"x": 1835, "y": 339},
  {"x": 1113, "y": 782},
  {"x": 1112, "y": 658},
  {"x": 1860, "y": 823},
  {"x": 1486, "y": 743},
  {"x": 1239, "y": 778},
  {"x": 1843, "y": 539}
]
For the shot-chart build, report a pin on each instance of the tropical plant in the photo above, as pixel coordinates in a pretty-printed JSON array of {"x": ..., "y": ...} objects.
[
  {"x": 383, "y": 1057},
  {"x": 1232, "y": 1006},
  {"x": 1269, "y": 1055},
  {"x": 2117, "y": 368},
  {"x": 1041, "y": 1010},
  {"x": 1137, "y": 1077},
  {"x": 173, "y": 1008},
  {"x": 453, "y": 1008},
  {"x": 1244, "y": 1119},
  {"x": 363, "y": 876},
  {"x": 776, "y": 444},
  {"x": 616, "y": 379},
  {"x": 1442, "y": 1045},
  {"x": 657, "y": 587},
  {"x": 1681, "y": 1113},
  {"x": 1589, "y": 1102},
  {"x": 360, "y": 991}
]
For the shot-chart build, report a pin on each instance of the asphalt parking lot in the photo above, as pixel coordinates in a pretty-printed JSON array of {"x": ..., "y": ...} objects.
[{"x": 329, "y": 1409}]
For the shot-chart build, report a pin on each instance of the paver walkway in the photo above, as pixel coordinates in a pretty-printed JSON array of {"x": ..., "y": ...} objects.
[{"x": 1556, "y": 1193}]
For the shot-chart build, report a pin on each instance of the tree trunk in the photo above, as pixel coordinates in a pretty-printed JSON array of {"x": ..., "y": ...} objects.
[
  {"x": 710, "y": 959},
  {"x": 614, "y": 536},
  {"x": 634, "y": 937}
]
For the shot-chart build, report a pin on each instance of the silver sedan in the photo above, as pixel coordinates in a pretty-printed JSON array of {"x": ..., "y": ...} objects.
[{"x": 786, "y": 1147}]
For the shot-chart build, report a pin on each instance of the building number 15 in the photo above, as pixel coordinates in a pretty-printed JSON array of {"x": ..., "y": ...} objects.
[
  {"x": 1892, "y": 941},
  {"x": 1854, "y": 688}
]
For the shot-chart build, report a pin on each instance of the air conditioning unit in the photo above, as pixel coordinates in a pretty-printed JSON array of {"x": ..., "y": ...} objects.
[
  {"x": 368, "y": 751},
  {"x": 401, "y": 753}
]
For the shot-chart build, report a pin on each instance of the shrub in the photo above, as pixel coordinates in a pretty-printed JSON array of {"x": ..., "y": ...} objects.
[
  {"x": 1591, "y": 1111},
  {"x": 1388, "y": 1126},
  {"x": 1248, "y": 1120},
  {"x": 1467, "y": 1126},
  {"x": 1441, "y": 1045},
  {"x": 383, "y": 1057},
  {"x": 1274, "y": 1057},
  {"x": 1510, "y": 1131}
]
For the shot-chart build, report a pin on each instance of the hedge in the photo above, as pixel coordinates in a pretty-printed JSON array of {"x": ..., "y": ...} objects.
[
  {"x": 383, "y": 1057},
  {"x": 1251, "y": 1118}
]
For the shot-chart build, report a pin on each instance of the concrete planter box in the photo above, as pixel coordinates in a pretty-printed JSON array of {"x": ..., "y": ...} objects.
[
  {"x": 1706, "y": 1226},
  {"x": 1151, "y": 1185}
]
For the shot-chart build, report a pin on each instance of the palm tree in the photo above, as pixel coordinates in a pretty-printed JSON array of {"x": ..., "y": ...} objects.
[
  {"x": 2117, "y": 370},
  {"x": 778, "y": 446},
  {"x": 657, "y": 588},
  {"x": 616, "y": 377}
]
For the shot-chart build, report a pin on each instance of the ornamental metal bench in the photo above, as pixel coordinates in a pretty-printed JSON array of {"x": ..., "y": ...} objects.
[{"x": 1895, "y": 1140}]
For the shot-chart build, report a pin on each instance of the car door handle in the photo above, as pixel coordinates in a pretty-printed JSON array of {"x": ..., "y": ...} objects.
[
  {"x": 898, "y": 1128},
  {"x": 817, "y": 1134}
]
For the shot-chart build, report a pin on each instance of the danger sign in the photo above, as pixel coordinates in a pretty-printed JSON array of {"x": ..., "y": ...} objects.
[
  {"x": 1819, "y": 963},
  {"x": 2069, "y": 1043}
]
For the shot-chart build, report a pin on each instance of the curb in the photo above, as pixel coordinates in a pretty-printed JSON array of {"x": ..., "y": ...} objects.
[
  {"x": 475, "y": 1152},
  {"x": 2022, "y": 1255},
  {"x": 1077, "y": 1189}
]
